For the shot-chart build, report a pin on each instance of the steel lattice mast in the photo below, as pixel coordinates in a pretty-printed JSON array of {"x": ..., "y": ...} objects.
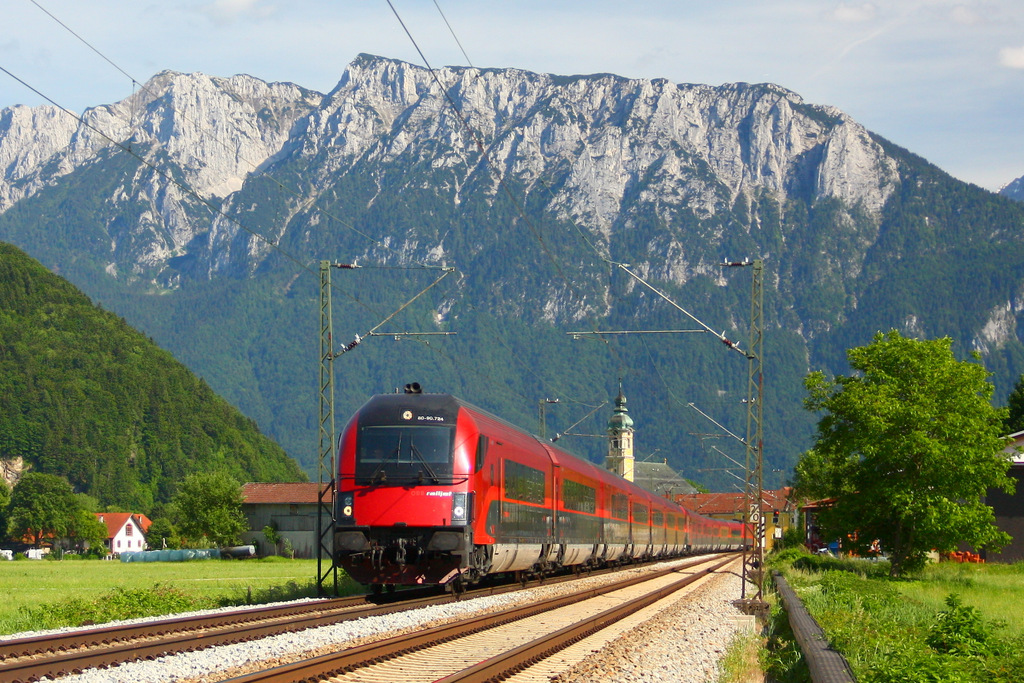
[
  {"x": 328, "y": 466},
  {"x": 753, "y": 560}
]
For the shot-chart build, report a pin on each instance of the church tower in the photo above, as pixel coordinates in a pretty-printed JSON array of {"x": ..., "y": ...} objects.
[{"x": 620, "y": 440}]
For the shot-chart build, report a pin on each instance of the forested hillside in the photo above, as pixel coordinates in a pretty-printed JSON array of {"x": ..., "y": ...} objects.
[{"x": 85, "y": 396}]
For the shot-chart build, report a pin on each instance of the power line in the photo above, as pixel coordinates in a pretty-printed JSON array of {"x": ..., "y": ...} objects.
[
  {"x": 253, "y": 165},
  {"x": 452, "y": 31},
  {"x": 184, "y": 187},
  {"x": 492, "y": 168}
]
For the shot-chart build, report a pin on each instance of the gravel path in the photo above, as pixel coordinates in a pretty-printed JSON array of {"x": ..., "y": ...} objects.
[{"x": 683, "y": 644}]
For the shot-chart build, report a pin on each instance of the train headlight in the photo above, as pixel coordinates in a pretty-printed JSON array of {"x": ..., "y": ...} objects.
[
  {"x": 346, "y": 505},
  {"x": 460, "y": 513}
]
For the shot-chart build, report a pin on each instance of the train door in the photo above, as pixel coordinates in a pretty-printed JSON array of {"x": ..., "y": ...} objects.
[{"x": 641, "y": 529}]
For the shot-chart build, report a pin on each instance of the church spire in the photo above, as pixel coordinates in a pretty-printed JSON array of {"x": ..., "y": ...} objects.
[{"x": 620, "y": 439}]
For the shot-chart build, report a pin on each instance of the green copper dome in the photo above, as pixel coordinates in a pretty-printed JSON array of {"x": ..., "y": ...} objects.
[{"x": 620, "y": 419}]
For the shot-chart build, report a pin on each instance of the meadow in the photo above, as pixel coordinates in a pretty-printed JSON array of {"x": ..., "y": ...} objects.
[
  {"x": 950, "y": 623},
  {"x": 42, "y": 594}
]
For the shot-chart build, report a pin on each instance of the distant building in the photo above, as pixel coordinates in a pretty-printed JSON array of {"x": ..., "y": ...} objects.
[
  {"x": 1009, "y": 507},
  {"x": 778, "y": 511},
  {"x": 126, "y": 532},
  {"x": 289, "y": 508},
  {"x": 660, "y": 479}
]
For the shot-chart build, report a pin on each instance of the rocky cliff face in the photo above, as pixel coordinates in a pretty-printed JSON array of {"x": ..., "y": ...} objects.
[
  {"x": 197, "y": 138},
  {"x": 598, "y": 144},
  {"x": 1014, "y": 190}
]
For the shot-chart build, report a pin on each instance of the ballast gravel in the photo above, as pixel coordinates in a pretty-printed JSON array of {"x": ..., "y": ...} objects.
[{"x": 683, "y": 643}]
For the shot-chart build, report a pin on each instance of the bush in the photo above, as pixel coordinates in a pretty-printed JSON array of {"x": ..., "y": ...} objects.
[
  {"x": 853, "y": 565},
  {"x": 958, "y": 630},
  {"x": 788, "y": 556}
]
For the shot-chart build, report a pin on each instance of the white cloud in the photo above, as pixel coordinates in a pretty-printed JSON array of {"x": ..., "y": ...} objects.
[
  {"x": 1012, "y": 57},
  {"x": 855, "y": 14}
]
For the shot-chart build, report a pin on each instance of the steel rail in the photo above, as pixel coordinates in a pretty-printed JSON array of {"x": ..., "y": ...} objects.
[
  {"x": 353, "y": 658},
  {"x": 502, "y": 666},
  {"x": 116, "y": 645}
]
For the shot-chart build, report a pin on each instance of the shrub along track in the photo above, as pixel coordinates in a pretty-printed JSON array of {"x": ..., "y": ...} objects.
[
  {"x": 53, "y": 655},
  {"x": 496, "y": 645}
]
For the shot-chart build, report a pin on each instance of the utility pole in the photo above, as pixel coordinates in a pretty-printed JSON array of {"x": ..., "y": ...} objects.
[
  {"x": 328, "y": 466},
  {"x": 753, "y": 559},
  {"x": 542, "y": 409}
]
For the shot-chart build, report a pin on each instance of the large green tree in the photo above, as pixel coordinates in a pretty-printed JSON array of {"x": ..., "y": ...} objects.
[
  {"x": 42, "y": 506},
  {"x": 907, "y": 446},
  {"x": 209, "y": 508}
]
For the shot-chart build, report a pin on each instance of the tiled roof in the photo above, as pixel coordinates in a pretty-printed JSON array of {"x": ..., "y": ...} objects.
[
  {"x": 300, "y": 493},
  {"x": 116, "y": 520},
  {"x": 729, "y": 503}
]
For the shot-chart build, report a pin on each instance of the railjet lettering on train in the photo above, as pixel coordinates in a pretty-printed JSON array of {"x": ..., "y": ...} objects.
[{"x": 462, "y": 494}]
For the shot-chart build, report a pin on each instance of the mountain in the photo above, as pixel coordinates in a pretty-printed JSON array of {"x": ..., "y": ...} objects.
[
  {"x": 205, "y": 226},
  {"x": 82, "y": 395},
  {"x": 1014, "y": 190}
]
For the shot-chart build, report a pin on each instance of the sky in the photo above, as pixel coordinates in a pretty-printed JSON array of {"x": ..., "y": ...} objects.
[{"x": 944, "y": 80}]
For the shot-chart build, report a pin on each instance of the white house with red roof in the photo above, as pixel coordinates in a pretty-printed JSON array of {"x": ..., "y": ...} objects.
[{"x": 126, "y": 532}]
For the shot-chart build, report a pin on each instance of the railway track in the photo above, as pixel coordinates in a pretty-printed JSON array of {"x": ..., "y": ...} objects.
[
  {"x": 493, "y": 646},
  {"x": 55, "y": 655},
  {"x": 32, "y": 658}
]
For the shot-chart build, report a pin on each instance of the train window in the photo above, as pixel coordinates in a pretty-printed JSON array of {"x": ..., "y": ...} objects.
[
  {"x": 579, "y": 497},
  {"x": 481, "y": 452},
  {"x": 524, "y": 483},
  {"x": 620, "y": 506},
  {"x": 658, "y": 518},
  {"x": 403, "y": 454},
  {"x": 671, "y": 521},
  {"x": 640, "y": 513}
]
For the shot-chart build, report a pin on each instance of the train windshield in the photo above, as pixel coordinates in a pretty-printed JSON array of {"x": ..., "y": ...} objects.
[{"x": 404, "y": 456}]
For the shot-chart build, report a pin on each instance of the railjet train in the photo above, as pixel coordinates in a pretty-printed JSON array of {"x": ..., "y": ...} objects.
[{"x": 432, "y": 490}]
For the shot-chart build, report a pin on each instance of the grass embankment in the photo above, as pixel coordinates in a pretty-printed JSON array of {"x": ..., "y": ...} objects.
[
  {"x": 51, "y": 594},
  {"x": 950, "y": 623}
]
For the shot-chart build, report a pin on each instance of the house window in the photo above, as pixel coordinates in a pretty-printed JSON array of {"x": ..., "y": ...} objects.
[
  {"x": 128, "y": 530},
  {"x": 119, "y": 544}
]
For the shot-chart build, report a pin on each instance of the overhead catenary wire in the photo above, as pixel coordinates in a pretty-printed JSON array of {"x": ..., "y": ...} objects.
[
  {"x": 141, "y": 86},
  {"x": 583, "y": 235},
  {"x": 491, "y": 167},
  {"x": 184, "y": 187}
]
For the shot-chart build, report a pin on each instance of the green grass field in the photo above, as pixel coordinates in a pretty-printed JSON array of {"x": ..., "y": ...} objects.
[
  {"x": 45, "y": 594},
  {"x": 950, "y": 623},
  {"x": 996, "y": 590}
]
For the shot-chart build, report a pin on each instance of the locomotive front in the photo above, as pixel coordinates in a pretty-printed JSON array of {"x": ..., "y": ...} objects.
[{"x": 404, "y": 499}]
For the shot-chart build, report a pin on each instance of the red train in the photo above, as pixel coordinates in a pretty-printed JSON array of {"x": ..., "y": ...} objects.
[{"x": 433, "y": 490}]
